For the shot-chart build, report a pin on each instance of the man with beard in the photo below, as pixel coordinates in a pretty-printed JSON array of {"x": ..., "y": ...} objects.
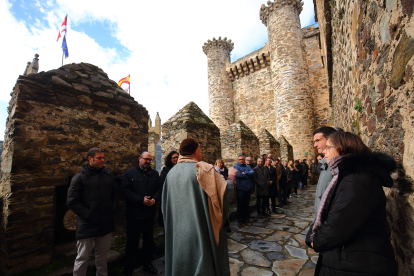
[
  {"x": 195, "y": 204},
  {"x": 320, "y": 136},
  {"x": 142, "y": 188}
]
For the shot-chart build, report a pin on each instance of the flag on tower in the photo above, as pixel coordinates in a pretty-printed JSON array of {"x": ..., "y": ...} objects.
[
  {"x": 124, "y": 80},
  {"x": 65, "y": 47},
  {"x": 63, "y": 27}
]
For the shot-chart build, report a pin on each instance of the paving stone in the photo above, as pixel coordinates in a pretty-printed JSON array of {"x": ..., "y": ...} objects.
[
  {"x": 259, "y": 224},
  {"x": 311, "y": 251},
  {"x": 300, "y": 239},
  {"x": 234, "y": 256},
  {"x": 235, "y": 247},
  {"x": 301, "y": 224},
  {"x": 254, "y": 271},
  {"x": 282, "y": 227},
  {"x": 314, "y": 259},
  {"x": 292, "y": 242},
  {"x": 310, "y": 264},
  {"x": 288, "y": 267},
  {"x": 235, "y": 266},
  {"x": 296, "y": 252},
  {"x": 276, "y": 256},
  {"x": 113, "y": 256},
  {"x": 264, "y": 246},
  {"x": 307, "y": 272},
  {"x": 256, "y": 230},
  {"x": 279, "y": 216},
  {"x": 255, "y": 258},
  {"x": 279, "y": 236},
  {"x": 236, "y": 236}
]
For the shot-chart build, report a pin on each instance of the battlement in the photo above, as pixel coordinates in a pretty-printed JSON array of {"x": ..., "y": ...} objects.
[
  {"x": 265, "y": 11},
  {"x": 249, "y": 64},
  {"x": 218, "y": 43}
]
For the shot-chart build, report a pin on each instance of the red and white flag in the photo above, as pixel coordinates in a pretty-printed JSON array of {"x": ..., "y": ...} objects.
[{"x": 63, "y": 27}]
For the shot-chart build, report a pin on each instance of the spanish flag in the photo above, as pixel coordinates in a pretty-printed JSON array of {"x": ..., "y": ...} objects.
[{"x": 124, "y": 80}]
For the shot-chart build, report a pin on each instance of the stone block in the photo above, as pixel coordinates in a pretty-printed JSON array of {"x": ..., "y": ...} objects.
[
  {"x": 237, "y": 140},
  {"x": 191, "y": 122}
]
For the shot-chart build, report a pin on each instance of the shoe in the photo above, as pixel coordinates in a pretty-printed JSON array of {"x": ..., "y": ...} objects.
[
  {"x": 150, "y": 268},
  {"x": 240, "y": 225},
  {"x": 250, "y": 216},
  {"x": 247, "y": 223},
  {"x": 260, "y": 216},
  {"x": 274, "y": 210},
  {"x": 266, "y": 215},
  {"x": 228, "y": 229}
]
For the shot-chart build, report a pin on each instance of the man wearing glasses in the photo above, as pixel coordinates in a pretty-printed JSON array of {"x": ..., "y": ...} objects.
[
  {"x": 142, "y": 188},
  {"x": 244, "y": 186},
  {"x": 320, "y": 136}
]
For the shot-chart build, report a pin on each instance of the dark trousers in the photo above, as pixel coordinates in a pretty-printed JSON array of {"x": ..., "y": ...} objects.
[
  {"x": 134, "y": 229},
  {"x": 305, "y": 180},
  {"x": 262, "y": 203},
  {"x": 243, "y": 199}
]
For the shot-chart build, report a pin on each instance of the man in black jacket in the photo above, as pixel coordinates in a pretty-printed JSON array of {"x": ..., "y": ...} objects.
[
  {"x": 92, "y": 197},
  {"x": 142, "y": 188},
  {"x": 262, "y": 181}
]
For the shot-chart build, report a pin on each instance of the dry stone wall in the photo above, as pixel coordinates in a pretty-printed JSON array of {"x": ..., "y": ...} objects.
[
  {"x": 286, "y": 149},
  {"x": 268, "y": 144},
  {"x": 191, "y": 122},
  {"x": 237, "y": 140},
  {"x": 292, "y": 96},
  {"x": 54, "y": 118},
  {"x": 373, "y": 82}
]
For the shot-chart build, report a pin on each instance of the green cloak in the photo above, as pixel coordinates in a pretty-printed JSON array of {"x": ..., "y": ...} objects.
[{"x": 190, "y": 248}]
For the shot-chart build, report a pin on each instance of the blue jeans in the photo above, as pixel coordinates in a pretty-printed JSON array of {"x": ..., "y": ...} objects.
[
  {"x": 300, "y": 185},
  {"x": 243, "y": 199}
]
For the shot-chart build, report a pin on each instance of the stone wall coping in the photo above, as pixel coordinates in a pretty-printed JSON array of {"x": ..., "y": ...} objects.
[
  {"x": 248, "y": 66},
  {"x": 218, "y": 43},
  {"x": 265, "y": 11}
]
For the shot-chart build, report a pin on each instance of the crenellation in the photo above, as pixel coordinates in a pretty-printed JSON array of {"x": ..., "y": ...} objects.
[{"x": 273, "y": 6}]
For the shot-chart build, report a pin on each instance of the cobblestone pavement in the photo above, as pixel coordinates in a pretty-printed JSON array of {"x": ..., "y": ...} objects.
[
  {"x": 271, "y": 246},
  {"x": 275, "y": 245}
]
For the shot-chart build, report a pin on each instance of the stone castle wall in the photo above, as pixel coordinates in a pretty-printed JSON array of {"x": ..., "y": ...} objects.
[
  {"x": 54, "y": 118},
  {"x": 319, "y": 84},
  {"x": 372, "y": 45}
]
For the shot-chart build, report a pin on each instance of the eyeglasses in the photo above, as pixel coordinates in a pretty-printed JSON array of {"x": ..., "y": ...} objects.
[
  {"x": 240, "y": 159},
  {"x": 174, "y": 157},
  {"x": 147, "y": 159},
  {"x": 329, "y": 147},
  {"x": 318, "y": 140}
]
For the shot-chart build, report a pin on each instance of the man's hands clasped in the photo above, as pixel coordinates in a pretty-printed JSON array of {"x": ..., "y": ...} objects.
[{"x": 148, "y": 201}]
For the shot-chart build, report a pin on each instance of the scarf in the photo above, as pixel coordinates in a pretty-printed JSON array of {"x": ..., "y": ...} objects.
[
  {"x": 333, "y": 163},
  {"x": 215, "y": 187},
  {"x": 218, "y": 169}
]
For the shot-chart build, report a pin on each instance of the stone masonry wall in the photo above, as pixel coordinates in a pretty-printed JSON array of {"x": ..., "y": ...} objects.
[
  {"x": 286, "y": 149},
  {"x": 292, "y": 95},
  {"x": 254, "y": 101},
  {"x": 373, "y": 83},
  {"x": 191, "y": 122},
  {"x": 317, "y": 77},
  {"x": 238, "y": 139},
  {"x": 268, "y": 144},
  {"x": 54, "y": 118}
]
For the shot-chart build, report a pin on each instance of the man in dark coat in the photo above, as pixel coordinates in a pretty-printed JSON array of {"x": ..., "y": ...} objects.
[
  {"x": 305, "y": 173},
  {"x": 92, "y": 196},
  {"x": 244, "y": 188},
  {"x": 142, "y": 188},
  {"x": 262, "y": 181}
]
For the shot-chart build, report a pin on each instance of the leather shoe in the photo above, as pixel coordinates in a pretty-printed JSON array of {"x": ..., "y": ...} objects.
[
  {"x": 150, "y": 268},
  {"x": 240, "y": 225},
  {"x": 247, "y": 223}
]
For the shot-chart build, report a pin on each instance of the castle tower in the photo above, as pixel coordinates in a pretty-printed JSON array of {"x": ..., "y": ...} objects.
[
  {"x": 220, "y": 91},
  {"x": 291, "y": 84},
  {"x": 158, "y": 124}
]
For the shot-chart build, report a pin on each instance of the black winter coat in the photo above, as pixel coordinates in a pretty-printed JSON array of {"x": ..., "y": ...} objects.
[
  {"x": 353, "y": 234},
  {"x": 283, "y": 177},
  {"x": 272, "y": 177},
  {"x": 92, "y": 196},
  {"x": 136, "y": 184},
  {"x": 261, "y": 180}
]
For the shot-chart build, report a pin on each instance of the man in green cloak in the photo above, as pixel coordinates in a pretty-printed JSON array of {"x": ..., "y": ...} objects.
[{"x": 195, "y": 204}]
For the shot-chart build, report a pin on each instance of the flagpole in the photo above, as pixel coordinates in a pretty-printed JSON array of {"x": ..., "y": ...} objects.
[{"x": 62, "y": 57}]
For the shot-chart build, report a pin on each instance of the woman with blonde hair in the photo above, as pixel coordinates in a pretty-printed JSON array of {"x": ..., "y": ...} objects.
[
  {"x": 273, "y": 189},
  {"x": 290, "y": 169},
  {"x": 221, "y": 169}
]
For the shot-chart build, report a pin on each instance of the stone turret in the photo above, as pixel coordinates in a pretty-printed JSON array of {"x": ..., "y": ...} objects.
[
  {"x": 158, "y": 124},
  {"x": 220, "y": 90},
  {"x": 32, "y": 67},
  {"x": 292, "y": 95}
]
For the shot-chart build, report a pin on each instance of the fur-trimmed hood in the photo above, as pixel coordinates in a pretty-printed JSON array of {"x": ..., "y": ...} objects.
[{"x": 377, "y": 163}]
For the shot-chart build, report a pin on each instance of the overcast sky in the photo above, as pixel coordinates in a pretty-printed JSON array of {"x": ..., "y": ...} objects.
[{"x": 158, "y": 42}]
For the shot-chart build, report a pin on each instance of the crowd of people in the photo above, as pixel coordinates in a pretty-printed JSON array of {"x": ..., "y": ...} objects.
[{"x": 349, "y": 230}]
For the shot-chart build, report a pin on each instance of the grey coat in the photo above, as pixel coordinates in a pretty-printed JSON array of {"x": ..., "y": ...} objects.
[
  {"x": 261, "y": 180},
  {"x": 324, "y": 179}
]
